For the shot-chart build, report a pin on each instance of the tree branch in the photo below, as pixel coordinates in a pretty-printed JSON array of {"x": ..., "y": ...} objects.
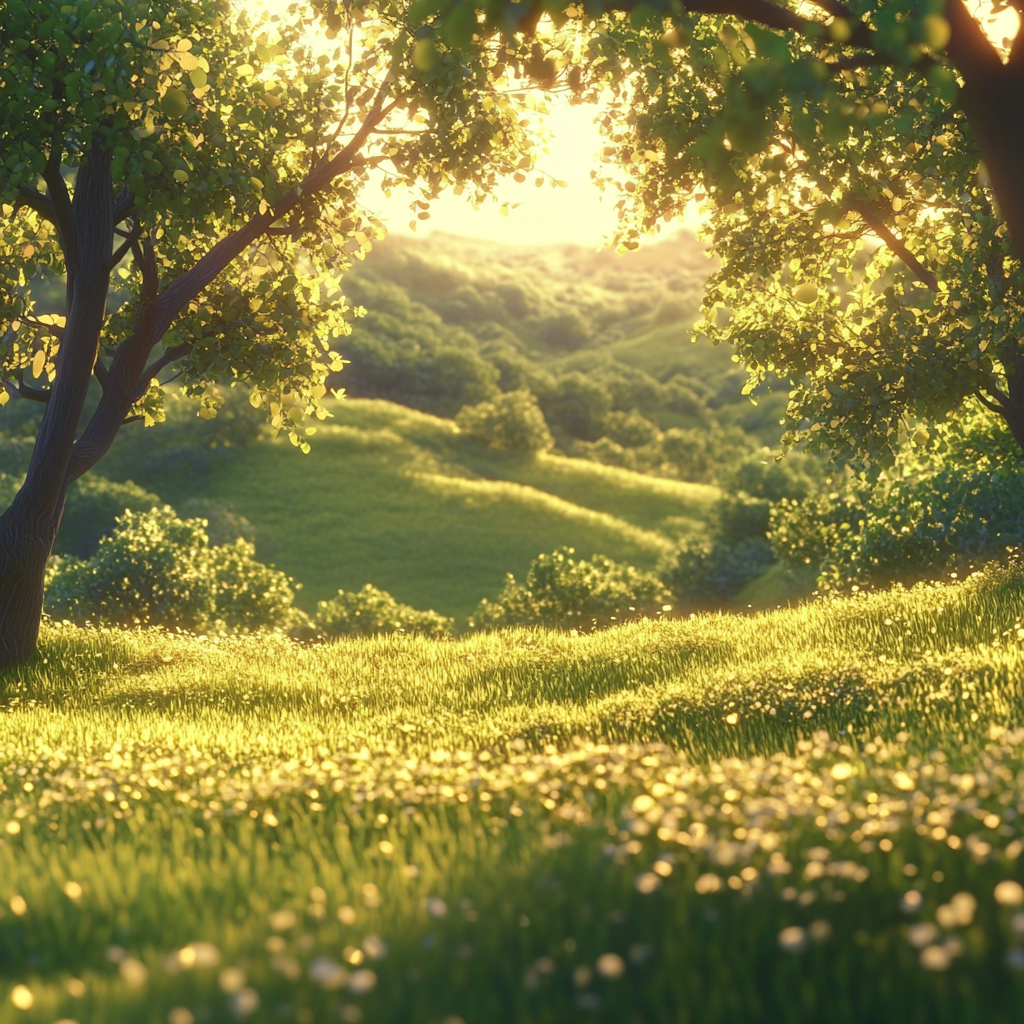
[
  {"x": 35, "y": 200},
  {"x": 873, "y": 221},
  {"x": 999, "y": 408},
  {"x": 836, "y": 9},
  {"x": 124, "y": 248},
  {"x": 102, "y": 374},
  {"x": 52, "y": 329},
  {"x": 60, "y": 200},
  {"x": 155, "y": 367},
  {"x": 177, "y": 295},
  {"x": 29, "y": 392}
]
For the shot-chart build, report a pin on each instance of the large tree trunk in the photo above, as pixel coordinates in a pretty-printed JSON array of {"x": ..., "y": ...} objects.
[
  {"x": 29, "y": 526},
  {"x": 25, "y": 543}
]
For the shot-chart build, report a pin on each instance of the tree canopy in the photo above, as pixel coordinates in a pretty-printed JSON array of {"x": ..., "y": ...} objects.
[
  {"x": 210, "y": 159},
  {"x": 860, "y": 168}
]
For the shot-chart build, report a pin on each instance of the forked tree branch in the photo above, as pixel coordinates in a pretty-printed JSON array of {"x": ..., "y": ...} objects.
[
  {"x": 177, "y": 295},
  {"x": 128, "y": 378},
  {"x": 997, "y": 407},
  {"x": 155, "y": 367},
  {"x": 898, "y": 246},
  {"x": 35, "y": 200}
]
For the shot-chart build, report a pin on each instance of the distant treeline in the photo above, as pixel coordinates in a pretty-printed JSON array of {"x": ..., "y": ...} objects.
[{"x": 602, "y": 343}]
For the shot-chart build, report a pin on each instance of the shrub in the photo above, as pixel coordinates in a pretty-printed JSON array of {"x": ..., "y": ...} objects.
[
  {"x": 739, "y": 518},
  {"x": 701, "y": 455},
  {"x": 630, "y": 429},
  {"x": 906, "y": 530},
  {"x": 577, "y": 405},
  {"x": 223, "y": 526},
  {"x": 711, "y": 576},
  {"x": 373, "y": 611},
  {"x": 565, "y": 592},
  {"x": 762, "y": 476},
  {"x": 566, "y": 330},
  {"x": 91, "y": 511},
  {"x": 511, "y": 422},
  {"x": 158, "y": 569}
]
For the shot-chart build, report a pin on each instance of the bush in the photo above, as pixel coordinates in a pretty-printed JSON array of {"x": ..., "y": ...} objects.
[
  {"x": 954, "y": 499},
  {"x": 711, "y": 576},
  {"x": 157, "y": 569},
  {"x": 630, "y": 429},
  {"x": 577, "y": 405},
  {"x": 91, "y": 511},
  {"x": 509, "y": 423},
  {"x": 701, "y": 455},
  {"x": 223, "y": 526},
  {"x": 564, "y": 592},
  {"x": 372, "y": 611},
  {"x": 739, "y": 518},
  {"x": 904, "y": 530},
  {"x": 566, "y": 330},
  {"x": 761, "y": 475}
]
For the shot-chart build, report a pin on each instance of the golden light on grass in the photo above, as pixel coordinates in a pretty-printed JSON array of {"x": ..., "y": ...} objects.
[
  {"x": 22, "y": 998},
  {"x": 1009, "y": 893}
]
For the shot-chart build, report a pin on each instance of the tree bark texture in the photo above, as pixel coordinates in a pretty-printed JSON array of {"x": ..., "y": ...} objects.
[{"x": 29, "y": 526}]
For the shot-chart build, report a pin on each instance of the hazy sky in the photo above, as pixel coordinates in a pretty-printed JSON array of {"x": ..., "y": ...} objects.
[{"x": 545, "y": 216}]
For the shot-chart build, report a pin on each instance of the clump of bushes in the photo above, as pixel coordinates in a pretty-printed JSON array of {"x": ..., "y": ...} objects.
[
  {"x": 158, "y": 569},
  {"x": 952, "y": 502},
  {"x": 91, "y": 510},
  {"x": 371, "y": 611},
  {"x": 905, "y": 530},
  {"x": 511, "y": 422},
  {"x": 712, "y": 574},
  {"x": 562, "y": 591}
]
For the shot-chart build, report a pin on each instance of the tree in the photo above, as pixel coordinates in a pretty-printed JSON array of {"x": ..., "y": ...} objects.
[
  {"x": 862, "y": 169},
  {"x": 209, "y": 163}
]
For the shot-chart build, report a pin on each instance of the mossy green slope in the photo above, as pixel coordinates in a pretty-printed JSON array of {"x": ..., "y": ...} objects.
[{"x": 397, "y": 498}]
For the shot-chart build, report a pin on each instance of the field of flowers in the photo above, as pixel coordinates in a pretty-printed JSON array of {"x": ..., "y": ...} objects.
[{"x": 806, "y": 815}]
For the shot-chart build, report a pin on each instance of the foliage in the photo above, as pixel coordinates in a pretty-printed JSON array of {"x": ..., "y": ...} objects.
[
  {"x": 808, "y": 137},
  {"x": 512, "y": 422},
  {"x": 158, "y": 569},
  {"x": 902, "y": 529},
  {"x": 448, "y": 318},
  {"x": 370, "y": 612},
  {"x": 157, "y": 93},
  {"x": 702, "y": 455},
  {"x": 223, "y": 525},
  {"x": 944, "y": 505},
  {"x": 402, "y": 350},
  {"x": 564, "y": 592},
  {"x": 251, "y": 779},
  {"x": 91, "y": 510},
  {"x": 710, "y": 574},
  {"x": 762, "y": 476}
]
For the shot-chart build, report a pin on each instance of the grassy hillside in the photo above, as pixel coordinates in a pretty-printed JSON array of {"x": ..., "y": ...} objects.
[
  {"x": 397, "y": 498},
  {"x": 804, "y": 816}
]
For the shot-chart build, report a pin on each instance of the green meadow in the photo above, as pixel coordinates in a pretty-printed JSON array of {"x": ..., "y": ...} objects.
[
  {"x": 396, "y": 498},
  {"x": 803, "y": 815}
]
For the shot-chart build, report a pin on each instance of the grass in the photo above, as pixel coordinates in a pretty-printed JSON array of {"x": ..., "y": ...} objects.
[
  {"x": 397, "y": 498},
  {"x": 715, "y": 819}
]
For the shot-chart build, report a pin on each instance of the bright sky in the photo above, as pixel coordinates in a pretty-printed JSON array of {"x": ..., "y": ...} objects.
[
  {"x": 546, "y": 216},
  {"x": 577, "y": 214}
]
